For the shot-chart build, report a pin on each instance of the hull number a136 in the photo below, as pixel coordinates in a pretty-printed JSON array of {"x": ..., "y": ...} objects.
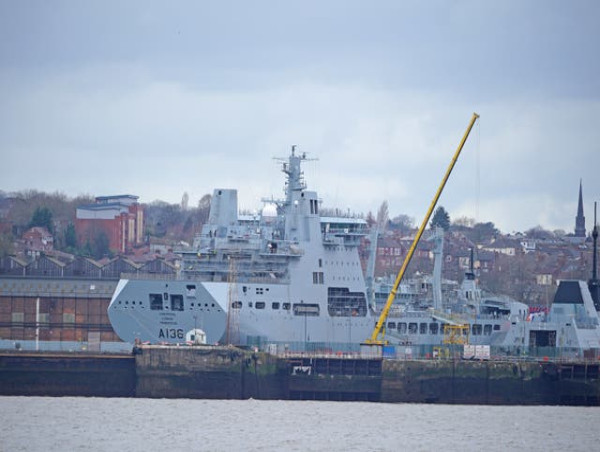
[{"x": 170, "y": 333}]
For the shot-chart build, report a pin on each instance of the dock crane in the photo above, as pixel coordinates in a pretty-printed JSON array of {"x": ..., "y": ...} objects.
[{"x": 378, "y": 331}]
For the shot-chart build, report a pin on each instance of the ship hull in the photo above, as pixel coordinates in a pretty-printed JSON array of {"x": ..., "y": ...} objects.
[{"x": 224, "y": 312}]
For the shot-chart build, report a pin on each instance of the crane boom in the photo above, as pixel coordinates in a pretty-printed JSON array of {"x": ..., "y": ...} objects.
[{"x": 373, "y": 340}]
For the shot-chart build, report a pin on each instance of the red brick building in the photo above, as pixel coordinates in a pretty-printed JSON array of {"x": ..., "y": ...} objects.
[
  {"x": 120, "y": 217},
  {"x": 38, "y": 239}
]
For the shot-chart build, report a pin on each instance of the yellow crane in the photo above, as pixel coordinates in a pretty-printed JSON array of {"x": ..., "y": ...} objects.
[{"x": 379, "y": 330}]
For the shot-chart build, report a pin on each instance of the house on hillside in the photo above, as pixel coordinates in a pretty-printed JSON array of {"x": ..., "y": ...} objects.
[
  {"x": 544, "y": 277},
  {"x": 485, "y": 261},
  {"x": 390, "y": 255},
  {"x": 504, "y": 246},
  {"x": 36, "y": 240},
  {"x": 528, "y": 245}
]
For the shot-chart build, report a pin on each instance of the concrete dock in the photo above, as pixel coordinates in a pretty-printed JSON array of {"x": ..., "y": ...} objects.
[{"x": 216, "y": 372}]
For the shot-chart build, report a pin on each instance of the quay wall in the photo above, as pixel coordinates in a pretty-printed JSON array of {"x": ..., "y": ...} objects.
[
  {"x": 215, "y": 372},
  {"x": 67, "y": 374},
  {"x": 483, "y": 382},
  {"x": 209, "y": 372}
]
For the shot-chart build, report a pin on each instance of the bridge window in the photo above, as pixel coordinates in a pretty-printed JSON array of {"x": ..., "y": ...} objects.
[
  {"x": 236, "y": 305},
  {"x": 343, "y": 303},
  {"x": 476, "y": 329},
  {"x": 286, "y": 306},
  {"x": 433, "y": 328},
  {"x": 275, "y": 305},
  {"x": 156, "y": 302},
  {"x": 412, "y": 328},
  {"x": 176, "y": 302},
  {"x": 260, "y": 305},
  {"x": 306, "y": 309},
  {"x": 318, "y": 278},
  {"x": 487, "y": 330},
  {"x": 402, "y": 328},
  {"x": 391, "y": 325},
  {"x": 423, "y": 328}
]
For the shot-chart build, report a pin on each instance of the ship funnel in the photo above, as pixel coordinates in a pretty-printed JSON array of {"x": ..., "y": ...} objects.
[{"x": 223, "y": 207}]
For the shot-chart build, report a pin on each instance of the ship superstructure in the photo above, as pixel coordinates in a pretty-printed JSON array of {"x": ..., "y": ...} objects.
[{"x": 285, "y": 276}]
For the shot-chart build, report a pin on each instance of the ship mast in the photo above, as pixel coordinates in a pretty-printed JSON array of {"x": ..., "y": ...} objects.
[
  {"x": 294, "y": 192},
  {"x": 295, "y": 177}
]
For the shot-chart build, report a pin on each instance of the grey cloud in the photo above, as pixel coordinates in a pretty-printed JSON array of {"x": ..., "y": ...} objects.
[{"x": 165, "y": 98}]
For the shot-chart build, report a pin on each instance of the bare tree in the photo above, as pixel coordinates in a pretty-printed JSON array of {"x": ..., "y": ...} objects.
[
  {"x": 383, "y": 216},
  {"x": 185, "y": 199}
]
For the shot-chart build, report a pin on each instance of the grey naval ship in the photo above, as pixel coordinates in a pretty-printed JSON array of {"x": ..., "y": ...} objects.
[
  {"x": 285, "y": 276},
  {"x": 569, "y": 328},
  {"x": 290, "y": 278}
]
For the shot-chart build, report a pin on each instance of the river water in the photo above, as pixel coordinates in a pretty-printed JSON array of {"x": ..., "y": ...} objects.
[{"x": 102, "y": 424}]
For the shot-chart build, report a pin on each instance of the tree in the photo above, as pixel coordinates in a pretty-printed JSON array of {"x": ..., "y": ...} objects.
[
  {"x": 370, "y": 219},
  {"x": 189, "y": 223},
  {"x": 383, "y": 216},
  {"x": 42, "y": 217},
  {"x": 465, "y": 222},
  {"x": 70, "y": 237},
  {"x": 403, "y": 223},
  {"x": 441, "y": 219},
  {"x": 185, "y": 199},
  {"x": 484, "y": 232},
  {"x": 100, "y": 247},
  {"x": 204, "y": 202},
  {"x": 6, "y": 245},
  {"x": 539, "y": 233},
  {"x": 204, "y": 209}
]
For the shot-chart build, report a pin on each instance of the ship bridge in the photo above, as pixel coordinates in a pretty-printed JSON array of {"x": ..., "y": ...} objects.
[{"x": 343, "y": 231}]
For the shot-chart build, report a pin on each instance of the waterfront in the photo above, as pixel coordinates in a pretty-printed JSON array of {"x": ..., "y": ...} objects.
[{"x": 98, "y": 424}]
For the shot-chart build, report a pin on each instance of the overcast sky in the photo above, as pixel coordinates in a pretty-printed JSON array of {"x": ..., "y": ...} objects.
[{"x": 160, "y": 98}]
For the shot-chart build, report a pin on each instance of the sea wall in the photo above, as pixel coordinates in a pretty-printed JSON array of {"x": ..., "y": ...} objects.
[
  {"x": 67, "y": 374},
  {"x": 209, "y": 372},
  {"x": 476, "y": 382},
  {"x": 334, "y": 378},
  {"x": 447, "y": 381}
]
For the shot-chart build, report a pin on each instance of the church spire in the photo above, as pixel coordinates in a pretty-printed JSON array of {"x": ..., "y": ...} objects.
[{"x": 580, "y": 219}]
